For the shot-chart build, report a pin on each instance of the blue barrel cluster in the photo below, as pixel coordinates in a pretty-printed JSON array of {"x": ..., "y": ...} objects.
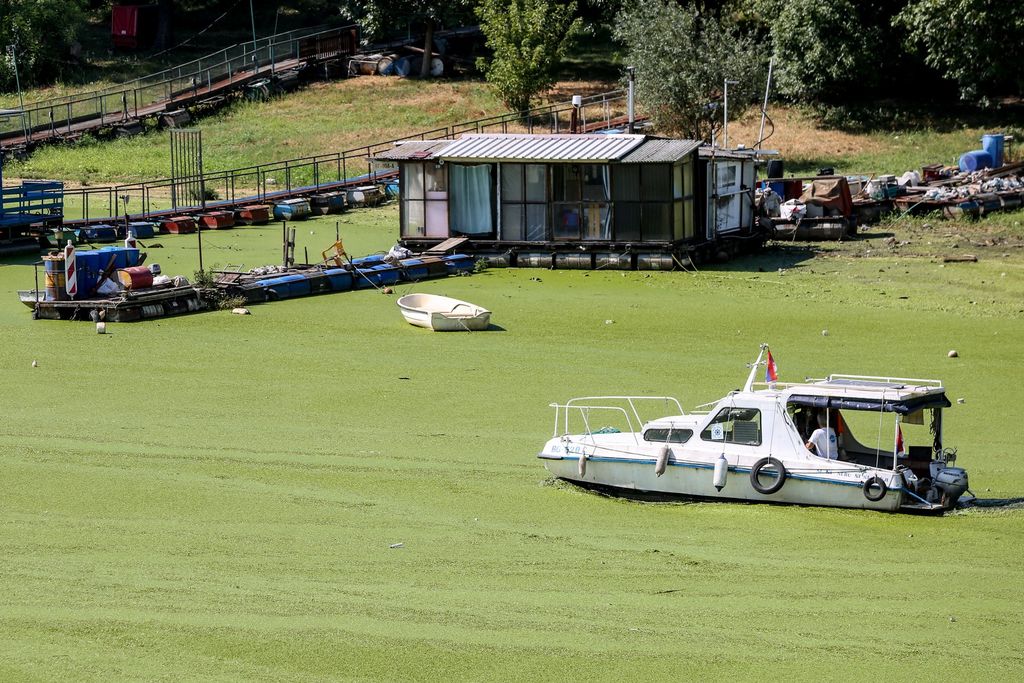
[
  {"x": 989, "y": 156},
  {"x": 92, "y": 264},
  {"x": 367, "y": 272}
]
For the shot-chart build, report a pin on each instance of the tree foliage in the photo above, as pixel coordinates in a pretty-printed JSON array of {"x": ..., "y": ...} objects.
[
  {"x": 529, "y": 39},
  {"x": 978, "y": 44},
  {"x": 41, "y": 33},
  {"x": 824, "y": 49},
  {"x": 682, "y": 61}
]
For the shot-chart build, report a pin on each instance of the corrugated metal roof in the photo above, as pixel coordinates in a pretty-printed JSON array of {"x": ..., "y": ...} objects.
[
  {"x": 707, "y": 151},
  {"x": 660, "y": 151},
  {"x": 525, "y": 147},
  {"x": 413, "y": 149}
]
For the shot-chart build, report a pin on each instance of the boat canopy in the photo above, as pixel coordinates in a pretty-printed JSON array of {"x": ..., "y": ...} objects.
[{"x": 903, "y": 407}]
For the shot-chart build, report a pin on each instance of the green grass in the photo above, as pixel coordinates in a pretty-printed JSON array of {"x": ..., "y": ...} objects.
[
  {"x": 320, "y": 119},
  {"x": 214, "y": 496}
]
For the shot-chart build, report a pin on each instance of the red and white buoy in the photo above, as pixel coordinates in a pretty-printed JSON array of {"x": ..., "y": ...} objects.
[
  {"x": 129, "y": 241},
  {"x": 70, "y": 271}
]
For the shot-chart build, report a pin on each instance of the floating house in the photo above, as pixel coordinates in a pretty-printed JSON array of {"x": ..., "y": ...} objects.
[{"x": 574, "y": 201}]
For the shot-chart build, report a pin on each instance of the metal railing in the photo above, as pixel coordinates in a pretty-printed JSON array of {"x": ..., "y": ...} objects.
[
  {"x": 151, "y": 94},
  {"x": 309, "y": 174}
]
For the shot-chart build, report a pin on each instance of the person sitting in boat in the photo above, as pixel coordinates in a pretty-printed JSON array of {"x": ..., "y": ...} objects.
[{"x": 823, "y": 441}]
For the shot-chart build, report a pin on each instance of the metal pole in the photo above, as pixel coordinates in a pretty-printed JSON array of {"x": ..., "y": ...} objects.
[
  {"x": 631, "y": 73},
  {"x": 17, "y": 84},
  {"x": 764, "y": 107},
  {"x": 252, "y": 17}
]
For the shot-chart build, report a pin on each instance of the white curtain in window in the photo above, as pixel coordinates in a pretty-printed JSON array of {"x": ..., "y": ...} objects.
[{"x": 471, "y": 199}]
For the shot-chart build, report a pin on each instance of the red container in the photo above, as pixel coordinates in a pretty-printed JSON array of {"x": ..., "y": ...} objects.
[
  {"x": 136, "y": 277},
  {"x": 255, "y": 214},
  {"x": 178, "y": 225},
  {"x": 133, "y": 26},
  {"x": 217, "y": 220}
]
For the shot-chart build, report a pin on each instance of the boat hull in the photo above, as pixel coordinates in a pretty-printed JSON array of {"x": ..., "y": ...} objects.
[
  {"x": 696, "y": 479},
  {"x": 442, "y": 314}
]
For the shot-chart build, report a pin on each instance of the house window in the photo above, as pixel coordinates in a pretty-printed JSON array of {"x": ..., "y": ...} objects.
[
  {"x": 643, "y": 195},
  {"x": 581, "y": 202},
  {"x": 424, "y": 211},
  {"x": 683, "y": 227},
  {"x": 735, "y": 425},
  {"x": 524, "y": 198}
]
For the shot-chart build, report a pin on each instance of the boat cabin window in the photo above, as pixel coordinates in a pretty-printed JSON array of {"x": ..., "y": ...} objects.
[
  {"x": 668, "y": 435},
  {"x": 735, "y": 425}
]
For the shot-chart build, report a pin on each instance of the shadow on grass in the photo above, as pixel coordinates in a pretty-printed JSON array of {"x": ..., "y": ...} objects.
[
  {"x": 775, "y": 256},
  {"x": 940, "y": 116}
]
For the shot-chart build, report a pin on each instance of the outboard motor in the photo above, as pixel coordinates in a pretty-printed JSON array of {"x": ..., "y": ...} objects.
[{"x": 951, "y": 482}]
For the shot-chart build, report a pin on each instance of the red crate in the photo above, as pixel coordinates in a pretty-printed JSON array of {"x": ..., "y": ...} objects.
[
  {"x": 254, "y": 214},
  {"x": 178, "y": 225},
  {"x": 217, "y": 220}
]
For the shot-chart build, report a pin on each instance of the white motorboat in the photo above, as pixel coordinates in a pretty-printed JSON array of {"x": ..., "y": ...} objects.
[
  {"x": 443, "y": 314},
  {"x": 756, "y": 444}
]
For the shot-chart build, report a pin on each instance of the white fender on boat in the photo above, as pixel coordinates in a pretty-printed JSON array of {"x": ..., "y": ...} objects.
[
  {"x": 721, "y": 472},
  {"x": 583, "y": 462},
  {"x": 662, "y": 463}
]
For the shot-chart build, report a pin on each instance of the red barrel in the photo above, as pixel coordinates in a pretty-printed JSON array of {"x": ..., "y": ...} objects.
[{"x": 136, "y": 277}]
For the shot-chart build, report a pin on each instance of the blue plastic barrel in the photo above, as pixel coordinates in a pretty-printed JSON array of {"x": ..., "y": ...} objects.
[
  {"x": 90, "y": 265},
  {"x": 375, "y": 276},
  {"x": 993, "y": 144},
  {"x": 459, "y": 263},
  {"x": 100, "y": 233},
  {"x": 340, "y": 278},
  {"x": 401, "y": 67},
  {"x": 414, "y": 269},
  {"x": 318, "y": 282},
  {"x": 124, "y": 257},
  {"x": 975, "y": 160},
  {"x": 142, "y": 230}
]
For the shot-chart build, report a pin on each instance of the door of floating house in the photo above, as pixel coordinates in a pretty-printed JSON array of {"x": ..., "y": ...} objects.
[
  {"x": 424, "y": 209},
  {"x": 730, "y": 178}
]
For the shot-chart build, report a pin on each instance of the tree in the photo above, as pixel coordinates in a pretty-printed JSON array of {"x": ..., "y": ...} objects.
[
  {"x": 682, "y": 62},
  {"x": 823, "y": 49},
  {"x": 40, "y": 34},
  {"x": 975, "y": 43},
  {"x": 529, "y": 39}
]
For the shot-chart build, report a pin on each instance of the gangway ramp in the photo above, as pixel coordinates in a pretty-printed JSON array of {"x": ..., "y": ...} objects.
[{"x": 201, "y": 80}]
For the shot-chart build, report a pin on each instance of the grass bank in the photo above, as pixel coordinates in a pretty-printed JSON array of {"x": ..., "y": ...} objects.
[
  {"x": 217, "y": 496},
  {"x": 343, "y": 115}
]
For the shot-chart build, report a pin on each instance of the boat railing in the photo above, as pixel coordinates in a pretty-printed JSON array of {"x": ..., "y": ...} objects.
[
  {"x": 626, "y": 406},
  {"x": 906, "y": 381}
]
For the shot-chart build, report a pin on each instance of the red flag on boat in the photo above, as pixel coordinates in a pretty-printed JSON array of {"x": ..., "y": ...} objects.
[
  {"x": 899, "y": 439},
  {"x": 770, "y": 370}
]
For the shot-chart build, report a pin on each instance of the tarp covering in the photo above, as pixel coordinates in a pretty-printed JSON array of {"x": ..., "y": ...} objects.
[
  {"x": 851, "y": 403},
  {"x": 829, "y": 193}
]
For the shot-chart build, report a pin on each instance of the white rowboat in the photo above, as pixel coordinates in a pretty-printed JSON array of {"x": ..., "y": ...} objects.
[{"x": 443, "y": 314}]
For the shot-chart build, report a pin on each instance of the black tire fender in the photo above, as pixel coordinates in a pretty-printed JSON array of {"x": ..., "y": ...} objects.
[
  {"x": 756, "y": 470},
  {"x": 875, "y": 482}
]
